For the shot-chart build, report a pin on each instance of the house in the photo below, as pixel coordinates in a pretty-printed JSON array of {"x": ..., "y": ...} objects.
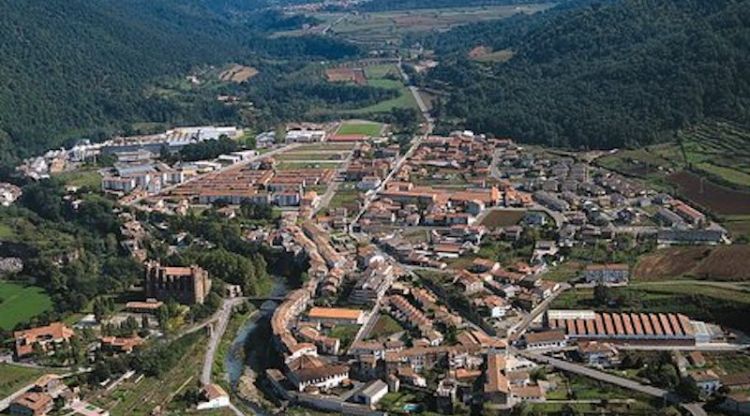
[
  {"x": 124, "y": 345},
  {"x": 469, "y": 283},
  {"x": 696, "y": 359},
  {"x": 214, "y": 397},
  {"x": 44, "y": 336},
  {"x": 597, "y": 354},
  {"x": 607, "y": 274},
  {"x": 32, "y": 404},
  {"x": 706, "y": 380},
  {"x": 311, "y": 371},
  {"x": 546, "y": 340}
]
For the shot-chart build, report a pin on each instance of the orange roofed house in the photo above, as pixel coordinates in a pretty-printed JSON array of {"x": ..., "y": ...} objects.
[
  {"x": 44, "y": 336},
  {"x": 336, "y": 315}
]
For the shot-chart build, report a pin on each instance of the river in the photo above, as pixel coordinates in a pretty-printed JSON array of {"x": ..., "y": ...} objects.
[{"x": 242, "y": 353}]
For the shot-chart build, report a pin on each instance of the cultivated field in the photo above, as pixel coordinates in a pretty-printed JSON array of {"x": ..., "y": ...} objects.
[
  {"x": 387, "y": 28},
  {"x": 486, "y": 54},
  {"x": 19, "y": 303},
  {"x": 721, "y": 151},
  {"x": 502, "y": 218},
  {"x": 716, "y": 198},
  {"x": 723, "y": 263},
  {"x": 139, "y": 396},
  {"x": 238, "y": 74}
]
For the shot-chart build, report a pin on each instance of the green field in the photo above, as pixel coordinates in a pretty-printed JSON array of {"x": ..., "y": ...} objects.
[
  {"x": 345, "y": 334},
  {"x": 83, "y": 178},
  {"x": 19, "y": 303},
  {"x": 384, "y": 327},
  {"x": 363, "y": 128},
  {"x": 721, "y": 151}
]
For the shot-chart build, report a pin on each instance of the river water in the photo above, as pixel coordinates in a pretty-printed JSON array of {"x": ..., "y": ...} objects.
[{"x": 239, "y": 357}]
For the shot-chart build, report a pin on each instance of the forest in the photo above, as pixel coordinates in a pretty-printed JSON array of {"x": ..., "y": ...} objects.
[
  {"x": 79, "y": 68},
  {"x": 599, "y": 74}
]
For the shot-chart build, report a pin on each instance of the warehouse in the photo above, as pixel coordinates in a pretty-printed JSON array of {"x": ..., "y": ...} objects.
[{"x": 625, "y": 328}]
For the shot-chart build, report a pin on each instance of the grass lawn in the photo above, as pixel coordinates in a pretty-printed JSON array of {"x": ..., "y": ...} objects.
[
  {"x": 345, "y": 333},
  {"x": 13, "y": 377},
  {"x": 384, "y": 327},
  {"x": 564, "y": 272},
  {"x": 344, "y": 198},
  {"x": 363, "y": 128},
  {"x": 82, "y": 178},
  {"x": 19, "y": 303}
]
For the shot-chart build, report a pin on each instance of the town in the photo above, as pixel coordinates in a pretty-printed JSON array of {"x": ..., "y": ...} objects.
[{"x": 433, "y": 276}]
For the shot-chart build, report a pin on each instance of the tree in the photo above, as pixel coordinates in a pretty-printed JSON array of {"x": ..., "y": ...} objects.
[
  {"x": 688, "y": 389},
  {"x": 602, "y": 295}
]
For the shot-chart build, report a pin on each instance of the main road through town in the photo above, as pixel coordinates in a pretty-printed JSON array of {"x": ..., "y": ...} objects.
[{"x": 429, "y": 126}]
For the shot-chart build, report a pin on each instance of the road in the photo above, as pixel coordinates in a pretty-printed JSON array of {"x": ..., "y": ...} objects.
[
  {"x": 429, "y": 124},
  {"x": 520, "y": 328},
  {"x": 696, "y": 409},
  {"x": 221, "y": 319}
]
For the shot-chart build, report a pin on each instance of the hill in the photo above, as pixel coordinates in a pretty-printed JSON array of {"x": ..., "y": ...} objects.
[
  {"x": 80, "y": 67},
  {"x": 600, "y": 74}
]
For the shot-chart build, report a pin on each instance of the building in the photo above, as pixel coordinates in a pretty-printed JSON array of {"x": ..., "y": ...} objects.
[
  {"x": 32, "y": 404},
  {"x": 187, "y": 285},
  {"x": 706, "y": 380},
  {"x": 45, "y": 337},
  {"x": 310, "y": 371},
  {"x": 121, "y": 344},
  {"x": 213, "y": 397},
  {"x": 149, "y": 306},
  {"x": 371, "y": 393},
  {"x": 546, "y": 340},
  {"x": 336, "y": 315},
  {"x": 607, "y": 274},
  {"x": 627, "y": 328},
  {"x": 597, "y": 354}
]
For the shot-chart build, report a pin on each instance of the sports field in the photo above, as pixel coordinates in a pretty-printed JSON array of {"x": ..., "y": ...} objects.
[
  {"x": 19, "y": 303},
  {"x": 364, "y": 128}
]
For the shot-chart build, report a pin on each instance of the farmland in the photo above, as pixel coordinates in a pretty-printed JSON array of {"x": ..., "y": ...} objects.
[
  {"x": 503, "y": 218},
  {"x": 723, "y": 263},
  {"x": 387, "y": 28},
  {"x": 387, "y": 76},
  {"x": 716, "y": 198},
  {"x": 140, "y": 395},
  {"x": 238, "y": 74},
  {"x": 19, "y": 303},
  {"x": 721, "y": 151}
]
